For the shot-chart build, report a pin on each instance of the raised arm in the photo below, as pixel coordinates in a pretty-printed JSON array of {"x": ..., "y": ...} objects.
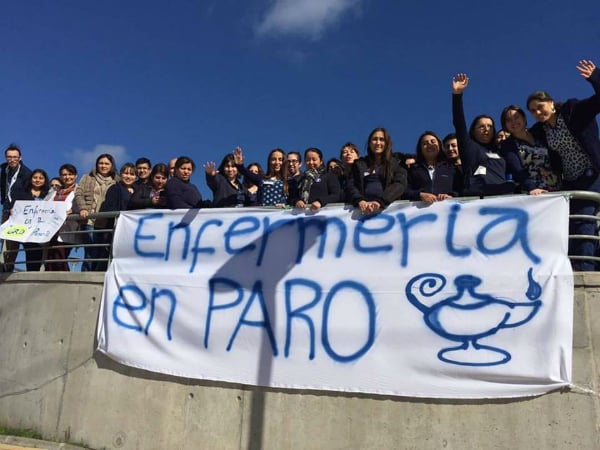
[
  {"x": 238, "y": 157},
  {"x": 588, "y": 70},
  {"x": 459, "y": 84}
]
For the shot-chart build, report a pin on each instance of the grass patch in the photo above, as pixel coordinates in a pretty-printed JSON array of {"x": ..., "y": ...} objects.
[{"x": 20, "y": 432}]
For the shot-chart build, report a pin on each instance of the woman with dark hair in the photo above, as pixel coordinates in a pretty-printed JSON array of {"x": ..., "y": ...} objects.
[
  {"x": 349, "y": 153},
  {"x": 377, "y": 179},
  {"x": 317, "y": 187},
  {"x": 66, "y": 235},
  {"x": 250, "y": 186},
  {"x": 484, "y": 168},
  {"x": 35, "y": 188},
  {"x": 273, "y": 186},
  {"x": 432, "y": 178},
  {"x": 527, "y": 159},
  {"x": 117, "y": 199},
  {"x": 570, "y": 129},
  {"x": 119, "y": 194},
  {"x": 89, "y": 197},
  {"x": 181, "y": 192},
  {"x": 228, "y": 190},
  {"x": 151, "y": 194}
]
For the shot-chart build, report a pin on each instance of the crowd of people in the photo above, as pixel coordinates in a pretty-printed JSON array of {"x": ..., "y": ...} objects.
[{"x": 560, "y": 152}]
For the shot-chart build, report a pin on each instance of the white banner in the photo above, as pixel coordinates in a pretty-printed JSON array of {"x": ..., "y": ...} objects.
[
  {"x": 34, "y": 221},
  {"x": 458, "y": 299}
]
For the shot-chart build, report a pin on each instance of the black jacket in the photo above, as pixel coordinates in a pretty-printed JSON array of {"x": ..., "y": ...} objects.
[{"x": 394, "y": 184}]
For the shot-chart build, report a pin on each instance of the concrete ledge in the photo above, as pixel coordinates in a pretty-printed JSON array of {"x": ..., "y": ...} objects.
[{"x": 51, "y": 381}]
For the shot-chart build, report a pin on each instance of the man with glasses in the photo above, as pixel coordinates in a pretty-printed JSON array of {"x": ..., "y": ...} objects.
[{"x": 13, "y": 177}]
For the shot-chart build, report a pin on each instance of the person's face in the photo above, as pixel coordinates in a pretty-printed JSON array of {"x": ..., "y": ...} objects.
[
  {"x": 13, "y": 158},
  {"x": 430, "y": 147},
  {"x": 293, "y": 164},
  {"x": 313, "y": 161},
  {"x": 513, "y": 122},
  {"x": 377, "y": 143},
  {"x": 104, "y": 166},
  {"x": 483, "y": 130},
  {"x": 231, "y": 171},
  {"x": 276, "y": 162},
  {"x": 159, "y": 181},
  {"x": 38, "y": 180},
  {"x": 349, "y": 155},
  {"x": 541, "y": 111},
  {"x": 451, "y": 148},
  {"x": 253, "y": 169},
  {"x": 502, "y": 136},
  {"x": 67, "y": 178},
  {"x": 55, "y": 184},
  {"x": 143, "y": 170},
  {"x": 184, "y": 172},
  {"x": 172, "y": 167},
  {"x": 128, "y": 177}
]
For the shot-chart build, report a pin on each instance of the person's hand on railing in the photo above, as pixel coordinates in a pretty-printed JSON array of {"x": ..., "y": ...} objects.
[{"x": 84, "y": 213}]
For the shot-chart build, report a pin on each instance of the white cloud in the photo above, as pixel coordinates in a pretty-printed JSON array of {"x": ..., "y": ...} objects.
[
  {"x": 306, "y": 18},
  {"x": 85, "y": 160}
]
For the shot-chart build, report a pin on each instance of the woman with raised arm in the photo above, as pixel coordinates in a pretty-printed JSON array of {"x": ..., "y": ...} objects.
[
  {"x": 484, "y": 168},
  {"x": 570, "y": 129},
  {"x": 532, "y": 166},
  {"x": 317, "y": 187},
  {"x": 377, "y": 179},
  {"x": 273, "y": 186},
  {"x": 432, "y": 178},
  {"x": 225, "y": 184}
]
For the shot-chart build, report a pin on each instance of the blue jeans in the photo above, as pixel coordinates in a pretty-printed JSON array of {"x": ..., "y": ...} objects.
[{"x": 590, "y": 181}]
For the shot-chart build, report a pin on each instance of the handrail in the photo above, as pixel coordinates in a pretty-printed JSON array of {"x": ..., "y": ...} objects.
[{"x": 76, "y": 261}]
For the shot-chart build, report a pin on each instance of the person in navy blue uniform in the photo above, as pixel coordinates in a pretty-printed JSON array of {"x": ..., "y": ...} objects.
[
  {"x": 432, "y": 178},
  {"x": 377, "y": 179},
  {"x": 570, "y": 130},
  {"x": 316, "y": 187}
]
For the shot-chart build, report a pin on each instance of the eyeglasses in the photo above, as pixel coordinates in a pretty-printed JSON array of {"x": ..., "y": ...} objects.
[
  {"x": 55, "y": 186},
  {"x": 12, "y": 157},
  {"x": 293, "y": 161}
]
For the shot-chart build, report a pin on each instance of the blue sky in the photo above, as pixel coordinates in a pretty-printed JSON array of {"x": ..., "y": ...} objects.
[{"x": 162, "y": 79}]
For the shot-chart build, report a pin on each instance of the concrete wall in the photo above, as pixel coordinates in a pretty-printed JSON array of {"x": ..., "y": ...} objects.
[{"x": 51, "y": 380}]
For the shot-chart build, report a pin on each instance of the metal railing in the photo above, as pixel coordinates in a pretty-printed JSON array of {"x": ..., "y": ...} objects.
[{"x": 78, "y": 258}]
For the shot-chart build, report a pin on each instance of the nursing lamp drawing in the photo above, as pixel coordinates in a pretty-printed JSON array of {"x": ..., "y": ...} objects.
[{"x": 469, "y": 316}]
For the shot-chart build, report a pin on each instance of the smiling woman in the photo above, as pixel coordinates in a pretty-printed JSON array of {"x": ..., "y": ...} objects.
[
  {"x": 484, "y": 168},
  {"x": 377, "y": 179},
  {"x": 35, "y": 189},
  {"x": 225, "y": 183},
  {"x": 570, "y": 131},
  {"x": 89, "y": 197},
  {"x": 432, "y": 178}
]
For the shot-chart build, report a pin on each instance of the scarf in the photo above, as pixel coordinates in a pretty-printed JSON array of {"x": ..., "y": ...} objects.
[{"x": 308, "y": 178}]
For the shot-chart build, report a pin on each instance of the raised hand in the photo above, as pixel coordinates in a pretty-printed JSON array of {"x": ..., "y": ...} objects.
[
  {"x": 238, "y": 156},
  {"x": 211, "y": 168},
  {"x": 585, "y": 68},
  {"x": 459, "y": 83}
]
